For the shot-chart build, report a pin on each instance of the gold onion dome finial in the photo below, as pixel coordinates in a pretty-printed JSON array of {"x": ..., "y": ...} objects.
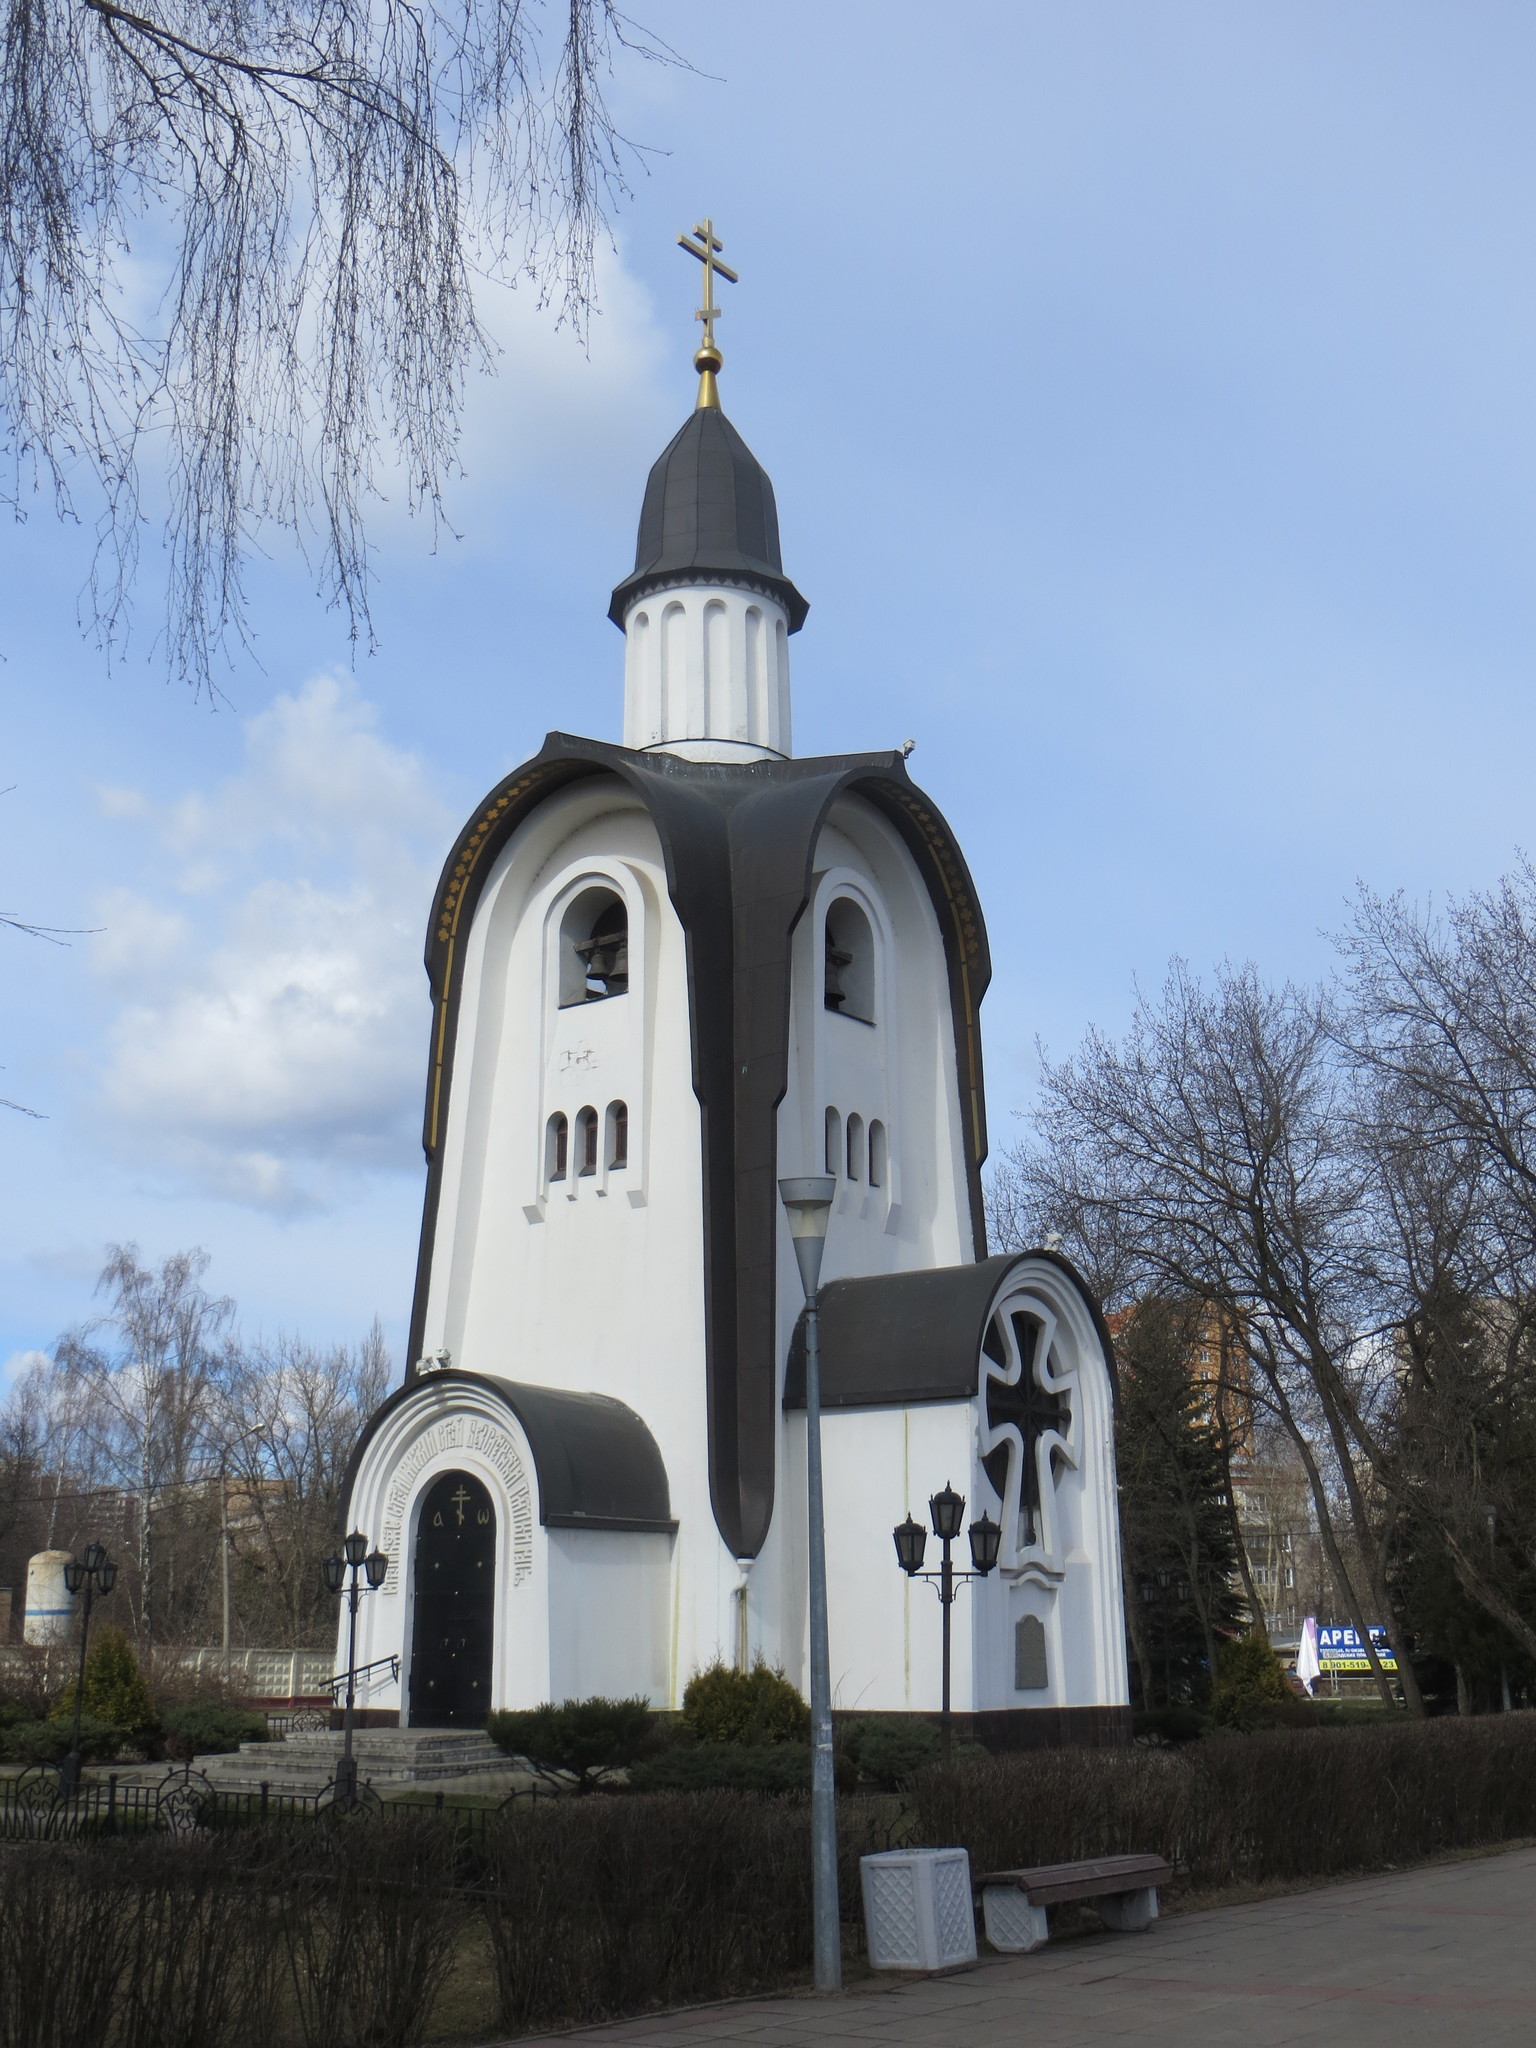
[{"x": 703, "y": 244}]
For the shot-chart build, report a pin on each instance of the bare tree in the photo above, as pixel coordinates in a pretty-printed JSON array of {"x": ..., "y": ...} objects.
[
  {"x": 1206, "y": 1151},
  {"x": 289, "y": 1418},
  {"x": 238, "y": 243},
  {"x": 145, "y": 1380},
  {"x": 1442, "y": 1035}
]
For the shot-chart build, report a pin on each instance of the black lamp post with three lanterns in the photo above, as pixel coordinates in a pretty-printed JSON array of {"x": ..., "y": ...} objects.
[{"x": 947, "y": 1510}]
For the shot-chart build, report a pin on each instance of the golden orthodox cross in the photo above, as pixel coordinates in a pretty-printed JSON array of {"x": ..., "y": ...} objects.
[
  {"x": 702, "y": 243},
  {"x": 458, "y": 1500}
]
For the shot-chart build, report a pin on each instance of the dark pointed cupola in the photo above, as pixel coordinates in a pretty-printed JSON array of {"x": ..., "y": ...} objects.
[
  {"x": 707, "y": 609},
  {"x": 708, "y": 514}
]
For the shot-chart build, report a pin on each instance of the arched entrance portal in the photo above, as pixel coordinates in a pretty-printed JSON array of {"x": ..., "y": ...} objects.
[{"x": 455, "y": 1599}]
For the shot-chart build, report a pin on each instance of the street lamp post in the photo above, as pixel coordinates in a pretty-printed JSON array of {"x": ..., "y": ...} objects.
[
  {"x": 807, "y": 1202},
  {"x": 224, "y": 1538},
  {"x": 947, "y": 1510},
  {"x": 90, "y": 1572},
  {"x": 342, "y": 1569}
]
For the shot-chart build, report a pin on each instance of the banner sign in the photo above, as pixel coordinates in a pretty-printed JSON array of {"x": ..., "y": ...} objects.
[{"x": 1340, "y": 1650}]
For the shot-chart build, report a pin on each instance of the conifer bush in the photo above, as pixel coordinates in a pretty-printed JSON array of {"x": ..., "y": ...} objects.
[
  {"x": 49, "y": 1742},
  {"x": 756, "y": 1706},
  {"x": 116, "y": 1691},
  {"x": 581, "y": 1741},
  {"x": 210, "y": 1730},
  {"x": 1250, "y": 1687}
]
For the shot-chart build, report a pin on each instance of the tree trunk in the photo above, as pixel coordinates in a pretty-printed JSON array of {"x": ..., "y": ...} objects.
[
  {"x": 1244, "y": 1566},
  {"x": 1133, "y": 1628},
  {"x": 1330, "y": 1540},
  {"x": 1345, "y": 1429}
]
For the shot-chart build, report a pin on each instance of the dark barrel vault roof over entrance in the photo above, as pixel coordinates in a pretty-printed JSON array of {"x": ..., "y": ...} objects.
[{"x": 596, "y": 1463}]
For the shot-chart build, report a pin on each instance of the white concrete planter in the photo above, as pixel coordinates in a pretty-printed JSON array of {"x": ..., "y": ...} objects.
[{"x": 917, "y": 1909}]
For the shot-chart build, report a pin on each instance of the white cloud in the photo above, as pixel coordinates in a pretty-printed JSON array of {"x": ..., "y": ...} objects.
[
  {"x": 19, "y": 1364},
  {"x": 121, "y": 803},
  {"x": 270, "y": 1029},
  {"x": 564, "y": 416}
]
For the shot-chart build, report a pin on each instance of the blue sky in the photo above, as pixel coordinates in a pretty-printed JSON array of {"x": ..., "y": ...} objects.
[{"x": 1148, "y": 389}]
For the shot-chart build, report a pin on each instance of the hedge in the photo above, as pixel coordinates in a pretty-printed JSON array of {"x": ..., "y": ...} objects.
[
  {"x": 343, "y": 1933},
  {"x": 1279, "y": 1805}
]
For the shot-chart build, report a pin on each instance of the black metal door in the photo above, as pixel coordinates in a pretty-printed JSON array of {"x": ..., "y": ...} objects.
[{"x": 455, "y": 1587}]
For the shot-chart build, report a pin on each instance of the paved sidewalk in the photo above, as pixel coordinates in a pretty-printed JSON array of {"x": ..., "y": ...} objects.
[{"x": 1431, "y": 1956}]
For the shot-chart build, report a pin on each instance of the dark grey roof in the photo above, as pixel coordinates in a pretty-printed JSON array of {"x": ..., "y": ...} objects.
[
  {"x": 708, "y": 510},
  {"x": 596, "y": 1463},
  {"x": 739, "y": 843},
  {"x": 893, "y": 1339},
  {"x": 599, "y": 1466}
]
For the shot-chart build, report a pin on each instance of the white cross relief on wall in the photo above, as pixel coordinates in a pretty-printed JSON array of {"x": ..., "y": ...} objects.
[{"x": 1025, "y": 1423}]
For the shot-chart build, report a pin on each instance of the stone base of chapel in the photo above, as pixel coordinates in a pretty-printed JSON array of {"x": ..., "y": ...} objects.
[{"x": 1049, "y": 1728}]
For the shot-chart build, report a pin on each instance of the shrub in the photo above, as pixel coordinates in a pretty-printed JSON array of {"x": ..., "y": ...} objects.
[
  {"x": 757, "y": 1706},
  {"x": 320, "y": 1938},
  {"x": 602, "y": 1907},
  {"x": 1168, "y": 1724},
  {"x": 1277, "y": 1805},
  {"x": 48, "y": 1742},
  {"x": 29, "y": 1681},
  {"x": 210, "y": 1731},
  {"x": 371, "y": 1922},
  {"x": 115, "y": 1690},
  {"x": 889, "y": 1749},
  {"x": 719, "y": 1766},
  {"x": 582, "y": 1739},
  {"x": 1250, "y": 1685}
]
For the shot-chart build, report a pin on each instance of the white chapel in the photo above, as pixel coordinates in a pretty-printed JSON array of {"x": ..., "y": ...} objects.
[{"x": 664, "y": 974}]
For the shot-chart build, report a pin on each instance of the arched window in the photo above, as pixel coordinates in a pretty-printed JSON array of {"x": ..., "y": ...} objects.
[
  {"x": 586, "y": 1140},
  {"x": 556, "y": 1138},
  {"x": 849, "y": 983},
  {"x": 855, "y": 1148},
  {"x": 594, "y": 948},
  {"x": 618, "y": 1136},
  {"x": 879, "y": 1165},
  {"x": 834, "y": 1152}
]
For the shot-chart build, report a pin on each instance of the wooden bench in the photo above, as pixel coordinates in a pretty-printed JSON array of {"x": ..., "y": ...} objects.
[{"x": 1124, "y": 1888}]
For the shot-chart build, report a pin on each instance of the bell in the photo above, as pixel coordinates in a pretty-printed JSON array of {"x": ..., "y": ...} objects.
[
  {"x": 606, "y": 957},
  {"x": 834, "y": 994}
]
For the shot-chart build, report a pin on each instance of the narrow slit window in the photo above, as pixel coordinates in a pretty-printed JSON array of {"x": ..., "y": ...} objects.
[
  {"x": 556, "y": 1145},
  {"x": 618, "y": 1136},
  {"x": 879, "y": 1165},
  {"x": 834, "y": 1153},
  {"x": 855, "y": 1148},
  {"x": 586, "y": 1140}
]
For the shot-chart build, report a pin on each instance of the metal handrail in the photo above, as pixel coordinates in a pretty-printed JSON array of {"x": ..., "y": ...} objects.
[{"x": 338, "y": 1684}]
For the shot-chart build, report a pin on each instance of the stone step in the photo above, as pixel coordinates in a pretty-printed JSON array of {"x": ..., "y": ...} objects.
[
  {"x": 386, "y": 1757},
  {"x": 434, "y": 1758}
]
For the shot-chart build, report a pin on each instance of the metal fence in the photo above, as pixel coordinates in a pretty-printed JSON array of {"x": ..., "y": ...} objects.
[{"x": 38, "y": 1806}]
